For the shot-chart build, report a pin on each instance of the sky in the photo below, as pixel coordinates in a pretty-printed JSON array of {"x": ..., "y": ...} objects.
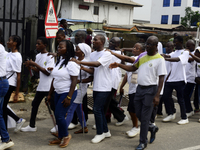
[{"x": 142, "y": 13}]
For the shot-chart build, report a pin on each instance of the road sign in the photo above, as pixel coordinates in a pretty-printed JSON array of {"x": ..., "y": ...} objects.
[{"x": 51, "y": 21}]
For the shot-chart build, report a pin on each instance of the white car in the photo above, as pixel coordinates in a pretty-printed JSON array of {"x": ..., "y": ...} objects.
[{"x": 94, "y": 33}]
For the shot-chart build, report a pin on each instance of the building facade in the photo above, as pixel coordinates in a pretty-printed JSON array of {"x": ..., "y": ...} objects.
[{"x": 171, "y": 11}]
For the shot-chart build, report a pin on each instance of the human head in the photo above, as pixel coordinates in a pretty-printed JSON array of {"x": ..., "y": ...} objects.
[
  {"x": 83, "y": 49},
  {"x": 42, "y": 43},
  {"x": 60, "y": 35},
  {"x": 14, "y": 41},
  {"x": 190, "y": 44},
  {"x": 169, "y": 47},
  {"x": 175, "y": 35},
  {"x": 63, "y": 22},
  {"x": 89, "y": 31},
  {"x": 98, "y": 42},
  {"x": 80, "y": 37},
  {"x": 138, "y": 49},
  {"x": 151, "y": 45},
  {"x": 114, "y": 43},
  {"x": 2, "y": 41},
  {"x": 178, "y": 42},
  {"x": 197, "y": 52}
]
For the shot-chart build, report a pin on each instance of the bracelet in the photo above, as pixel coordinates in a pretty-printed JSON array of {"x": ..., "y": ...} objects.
[{"x": 69, "y": 97}]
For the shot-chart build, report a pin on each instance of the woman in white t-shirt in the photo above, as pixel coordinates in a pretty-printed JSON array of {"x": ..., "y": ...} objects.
[
  {"x": 65, "y": 74},
  {"x": 13, "y": 73}
]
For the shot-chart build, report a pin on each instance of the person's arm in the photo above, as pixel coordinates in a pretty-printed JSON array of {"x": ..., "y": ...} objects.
[
  {"x": 127, "y": 49},
  {"x": 91, "y": 63},
  {"x": 157, "y": 96},
  {"x": 166, "y": 56},
  {"x": 125, "y": 67},
  {"x": 67, "y": 100},
  {"x": 175, "y": 59},
  {"x": 88, "y": 70},
  {"x": 18, "y": 87},
  {"x": 87, "y": 80},
  {"x": 123, "y": 57},
  {"x": 122, "y": 84},
  {"x": 197, "y": 59}
]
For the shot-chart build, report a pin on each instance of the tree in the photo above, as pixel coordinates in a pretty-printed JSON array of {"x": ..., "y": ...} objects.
[{"x": 191, "y": 18}]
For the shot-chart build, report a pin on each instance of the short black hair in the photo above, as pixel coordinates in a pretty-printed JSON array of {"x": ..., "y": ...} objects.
[
  {"x": 179, "y": 38},
  {"x": 2, "y": 40},
  {"x": 44, "y": 40},
  {"x": 63, "y": 21},
  {"x": 102, "y": 38},
  {"x": 82, "y": 34},
  {"x": 61, "y": 32},
  {"x": 17, "y": 39}
]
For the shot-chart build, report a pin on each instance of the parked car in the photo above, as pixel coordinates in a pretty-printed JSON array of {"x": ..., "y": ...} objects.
[{"x": 94, "y": 33}]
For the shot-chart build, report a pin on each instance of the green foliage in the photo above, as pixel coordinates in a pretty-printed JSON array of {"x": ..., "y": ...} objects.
[{"x": 190, "y": 18}]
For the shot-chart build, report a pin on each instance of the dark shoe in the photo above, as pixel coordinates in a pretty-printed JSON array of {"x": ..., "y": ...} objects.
[
  {"x": 81, "y": 131},
  {"x": 153, "y": 134},
  {"x": 141, "y": 146}
]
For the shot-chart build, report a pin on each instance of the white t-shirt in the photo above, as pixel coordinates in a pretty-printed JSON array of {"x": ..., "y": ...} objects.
[
  {"x": 178, "y": 72},
  {"x": 198, "y": 69},
  {"x": 191, "y": 71},
  {"x": 62, "y": 76},
  {"x": 102, "y": 74},
  {"x": 116, "y": 72},
  {"x": 160, "y": 48},
  {"x": 14, "y": 65},
  {"x": 150, "y": 68},
  {"x": 82, "y": 90},
  {"x": 2, "y": 61},
  {"x": 45, "y": 62},
  {"x": 132, "y": 87}
]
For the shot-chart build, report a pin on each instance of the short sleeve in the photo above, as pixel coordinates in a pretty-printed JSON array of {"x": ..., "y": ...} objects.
[
  {"x": 105, "y": 59},
  {"x": 50, "y": 63},
  {"x": 184, "y": 57},
  {"x": 73, "y": 68},
  {"x": 161, "y": 70}
]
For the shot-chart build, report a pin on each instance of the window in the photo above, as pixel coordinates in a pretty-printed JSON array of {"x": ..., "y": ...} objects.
[
  {"x": 175, "y": 19},
  {"x": 164, "y": 19},
  {"x": 166, "y": 3},
  {"x": 96, "y": 10},
  {"x": 177, "y": 2},
  {"x": 196, "y": 3}
]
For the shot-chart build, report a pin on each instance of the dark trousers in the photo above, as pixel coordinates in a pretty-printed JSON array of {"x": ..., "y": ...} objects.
[
  {"x": 188, "y": 90},
  {"x": 179, "y": 87},
  {"x": 35, "y": 105},
  {"x": 111, "y": 103},
  {"x": 7, "y": 111},
  {"x": 196, "y": 98},
  {"x": 143, "y": 107},
  {"x": 85, "y": 110}
]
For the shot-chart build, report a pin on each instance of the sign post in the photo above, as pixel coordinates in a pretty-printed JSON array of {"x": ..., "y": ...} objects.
[{"x": 51, "y": 21}]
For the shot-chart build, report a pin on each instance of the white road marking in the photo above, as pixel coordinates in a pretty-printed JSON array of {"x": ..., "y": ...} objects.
[{"x": 192, "y": 148}]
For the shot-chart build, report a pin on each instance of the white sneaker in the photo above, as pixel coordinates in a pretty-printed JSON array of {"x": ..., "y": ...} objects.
[
  {"x": 169, "y": 118},
  {"x": 133, "y": 132},
  {"x": 121, "y": 123},
  {"x": 29, "y": 129},
  {"x": 72, "y": 126},
  {"x": 190, "y": 114},
  {"x": 98, "y": 138},
  {"x": 19, "y": 124},
  {"x": 5, "y": 145},
  {"x": 54, "y": 129},
  {"x": 94, "y": 127},
  {"x": 107, "y": 134},
  {"x": 183, "y": 121}
]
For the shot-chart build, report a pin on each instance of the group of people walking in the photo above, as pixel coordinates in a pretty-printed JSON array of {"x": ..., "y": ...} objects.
[{"x": 64, "y": 80}]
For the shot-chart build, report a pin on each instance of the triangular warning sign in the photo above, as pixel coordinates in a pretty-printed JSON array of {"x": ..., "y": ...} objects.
[{"x": 51, "y": 18}]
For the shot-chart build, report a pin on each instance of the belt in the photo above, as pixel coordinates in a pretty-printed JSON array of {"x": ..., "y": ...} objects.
[
  {"x": 148, "y": 86},
  {"x": 3, "y": 78}
]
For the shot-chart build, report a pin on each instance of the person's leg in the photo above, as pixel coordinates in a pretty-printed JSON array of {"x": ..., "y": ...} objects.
[
  {"x": 13, "y": 115},
  {"x": 188, "y": 89},
  {"x": 85, "y": 109},
  {"x": 35, "y": 105},
  {"x": 70, "y": 113},
  {"x": 81, "y": 115},
  {"x": 131, "y": 110},
  {"x": 168, "y": 89},
  {"x": 159, "y": 111},
  {"x": 5, "y": 103},
  {"x": 196, "y": 98},
  {"x": 74, "y": 119}
]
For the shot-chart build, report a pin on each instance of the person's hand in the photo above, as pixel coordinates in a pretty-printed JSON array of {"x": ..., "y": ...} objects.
[
  {"x": 29, "y": 63},
  {"x": 47, "y": 100},
  {"x": 156, "y": 100},
  {"x": 15, "y": 98},
  {"x": 113, "y": 65},
  {"x": 76, "y": 61},
  {"x": 52, "y": 54},
  {"x": 66, "y": 102},
  {"x": 82, "y": 68},
  {"x": 121, "y": 90},
  {"x": 109, "y": 51},
  {"x": 49, "y": 68}
]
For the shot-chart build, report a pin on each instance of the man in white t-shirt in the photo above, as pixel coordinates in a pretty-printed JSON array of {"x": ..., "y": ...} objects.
[
  {"x": 151, "y": 66},
  {"x": 176, "y": 80},
  {"x": 42, "y": 62},
  {"x": 190, "y": 75},
  {"x": 102, "y": 84}
]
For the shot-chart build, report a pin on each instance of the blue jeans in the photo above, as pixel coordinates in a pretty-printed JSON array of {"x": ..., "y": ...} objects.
[
  {"x": 98, "y": 109},
  {"x": 81, "y": 116},
  {"x": 3, "y": 90},
  {"x": 60, "y": 113}
]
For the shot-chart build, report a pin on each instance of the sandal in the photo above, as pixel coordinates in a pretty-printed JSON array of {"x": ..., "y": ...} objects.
[
  {"x": 81, "y": 131},
  {"x": 55, "y": 134},
  {"x": 55, "y": 142},
  {"x": 65, "y": 141}
]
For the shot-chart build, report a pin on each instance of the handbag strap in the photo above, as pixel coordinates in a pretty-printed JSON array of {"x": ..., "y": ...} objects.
[{"x": 11, "y": 75}]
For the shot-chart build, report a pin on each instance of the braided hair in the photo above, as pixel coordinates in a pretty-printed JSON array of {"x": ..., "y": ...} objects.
[
  {"x": 69, "y": 53},
  {"x": 17, "y": 39}
]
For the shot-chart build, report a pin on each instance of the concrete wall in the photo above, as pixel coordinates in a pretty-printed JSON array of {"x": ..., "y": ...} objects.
[
  {"x": 111, "y": 13},
  {"x": 157, "y": 10}
]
